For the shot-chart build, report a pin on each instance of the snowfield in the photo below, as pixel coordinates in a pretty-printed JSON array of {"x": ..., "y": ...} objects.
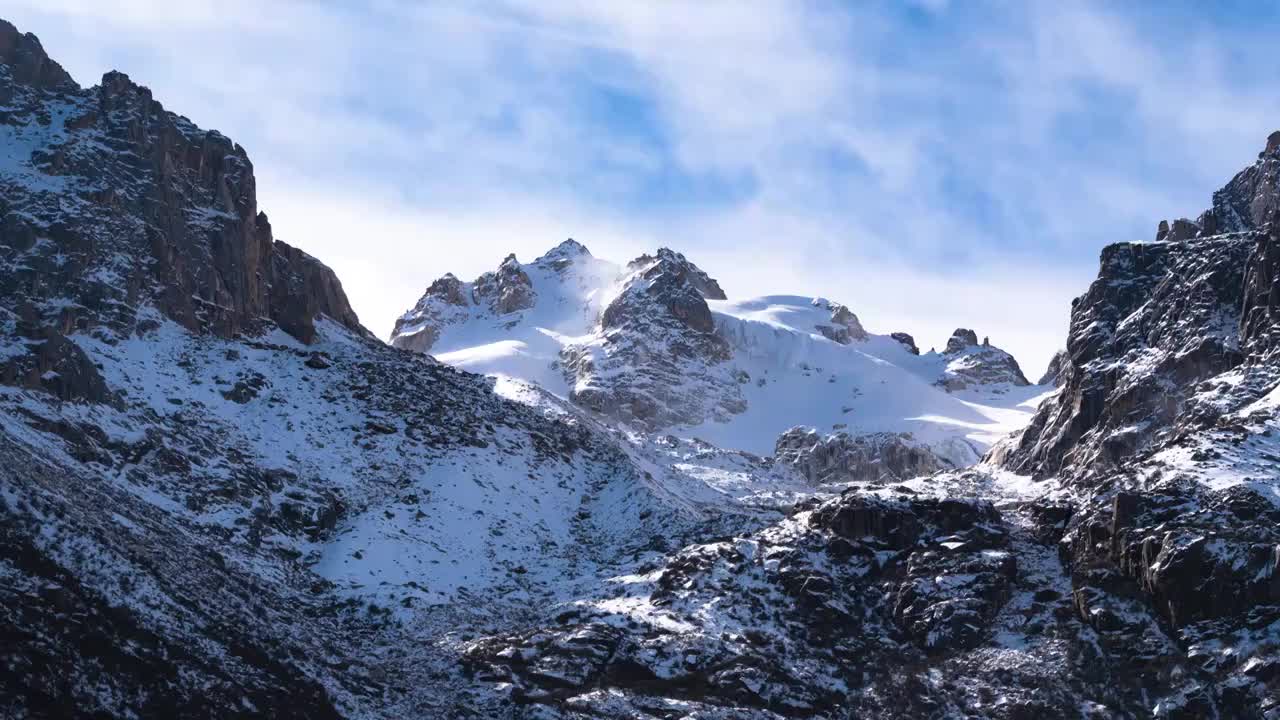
[{"x": 791, "y": 373}]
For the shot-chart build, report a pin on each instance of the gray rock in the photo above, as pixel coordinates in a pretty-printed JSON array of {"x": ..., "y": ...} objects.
[
  {"x": 1058, "y": 365},
  {"x": 961, "y": 339},
  {"x": 970, "y": 364},
  {"x": 907, "y": 341},
  {"x": 842, "y": 457},
  {"x": 844, "y": 327}
]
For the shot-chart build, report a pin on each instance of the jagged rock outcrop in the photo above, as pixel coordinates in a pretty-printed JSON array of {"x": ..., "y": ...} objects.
[
  {"x": 907, "y": 341},
  {"x": 844, "y": 327},
  {"x": 1164, "y": 426},
  {"x": 1251, "y": 201},
  {"x": 670, "y": 282},
  {"x": 970, "y": 364},
  {"x": 657, "y": 361},
  {"x": 668, "y": 261},
  {"x": 491, "y": 297},
  {"x": 1057, "y": 366},
  {"x": 1159, "y": 319},
  {"x": 419, "y": 329},
  {"x": 44, "y": 359},
  {"x": 841, "y": 457},
  {"x": 961, "y": 340},
  {"x": 831, "y": 614},
  {"x": 117, "y": 205},
  {"x": 304, "y": 289},
  {"x": 28, "y": 64},
  {"x": 506, "y": 290}
]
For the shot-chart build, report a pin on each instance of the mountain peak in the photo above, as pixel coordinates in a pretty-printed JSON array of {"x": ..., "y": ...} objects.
[
  {"x": 567, "y": 249},
  {"x": 665, "y": 260},
  {"x": 208, "y": 262},
  {"x": 1250, "y": 201},
  {"x": 1273, "y": 143},
  {"x": 970, "y": 363},
  {"x": 961, "y": 339},
  {"x": 28, "y": 62}
]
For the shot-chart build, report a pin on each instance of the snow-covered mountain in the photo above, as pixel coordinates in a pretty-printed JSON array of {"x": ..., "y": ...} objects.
[
  {"x": 614, "y": 491},
  {"x": 657, "y": 345}
]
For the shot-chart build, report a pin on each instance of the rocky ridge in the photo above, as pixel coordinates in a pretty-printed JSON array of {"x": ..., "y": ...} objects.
[{"x": 1164, "y": 425}]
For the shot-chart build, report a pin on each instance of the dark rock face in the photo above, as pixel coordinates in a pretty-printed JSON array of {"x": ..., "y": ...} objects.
[
  {"x": 961, "y": 339},
  {"x": 907, "y": 341},
  {"x": 668, "y": 280},
  {"x": 1057, "y": 366},
  {"x": 304, "y": 289},
  {"x": 28, "y": 63},
  {"x": 670, "y": 261},
  {"x": 1164, "y": 430},
  {"x": 1158, "y": 320},
  {"x": 1260, "y": 310},
  {"x": 122, "y": 205},
  {"x": 841, "y": 457},
  {"x": 506, "y": 290},
  {"x": 1165, "y": 574},
  {"x": 833, "y": 614},
  {"x": 662, "y": 361},
  {"x": 56, "y": 365},
  {"x": 1251, "y": 200}
]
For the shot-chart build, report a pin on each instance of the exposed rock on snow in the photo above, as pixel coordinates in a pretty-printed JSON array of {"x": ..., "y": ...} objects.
[
  {"x": 844, "y": 327},
  {"x": 839, "y": 457},
  {"x": 656, "y": 361},
  {"x": 969, "y": 364},
  {"x": 907, "y": 341}
]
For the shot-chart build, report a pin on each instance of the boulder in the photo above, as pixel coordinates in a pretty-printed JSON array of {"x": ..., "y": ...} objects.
[{"x": 841, "y": 457}]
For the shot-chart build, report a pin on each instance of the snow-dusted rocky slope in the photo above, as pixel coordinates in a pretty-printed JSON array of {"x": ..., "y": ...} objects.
[
  {"x": 1117, "y": 558},
  {"x": 220, "y": 497},
  {"x": 220, "y": 494},
  {"x": 657, "y": 345}
]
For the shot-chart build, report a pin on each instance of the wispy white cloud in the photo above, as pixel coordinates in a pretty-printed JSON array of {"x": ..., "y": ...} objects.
[{"x": 933, "y": 165}]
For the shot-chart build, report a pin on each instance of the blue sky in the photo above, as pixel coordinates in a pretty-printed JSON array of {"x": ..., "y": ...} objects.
[{"x": 931, "y": 164}]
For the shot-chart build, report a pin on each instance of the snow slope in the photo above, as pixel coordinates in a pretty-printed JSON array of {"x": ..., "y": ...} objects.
[
  {"x": 800, "y": 377},
  {"x": 790, "y": 371},
  {"x": 571, "y": 289}
]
